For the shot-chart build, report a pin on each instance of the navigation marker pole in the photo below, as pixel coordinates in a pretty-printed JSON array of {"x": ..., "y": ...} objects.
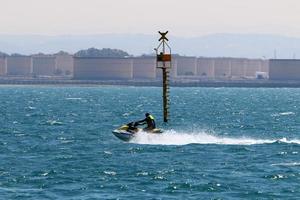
[{"x": 163, "y": 61}]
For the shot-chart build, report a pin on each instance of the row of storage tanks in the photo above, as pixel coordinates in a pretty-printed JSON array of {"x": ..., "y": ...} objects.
[
  {"x": 144, "y": 67},
  {"x": 182, "y": 67},
  {"x": 132, "y": 68},
  {"x": 36, "y": 65}
]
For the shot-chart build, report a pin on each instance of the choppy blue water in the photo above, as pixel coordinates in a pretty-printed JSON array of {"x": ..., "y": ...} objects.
[{"x": 221, "y": 143}]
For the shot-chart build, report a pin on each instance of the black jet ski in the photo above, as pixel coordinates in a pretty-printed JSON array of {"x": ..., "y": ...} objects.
[{"x": 128, "y": 131}]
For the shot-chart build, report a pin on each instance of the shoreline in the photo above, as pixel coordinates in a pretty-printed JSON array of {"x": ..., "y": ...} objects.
[{"x": 155, "y": 83}]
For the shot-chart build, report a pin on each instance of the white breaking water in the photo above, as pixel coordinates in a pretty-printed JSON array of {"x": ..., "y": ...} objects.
[
  {"x": 287, "y": 164},
  {"x": 183, "y": 138}
]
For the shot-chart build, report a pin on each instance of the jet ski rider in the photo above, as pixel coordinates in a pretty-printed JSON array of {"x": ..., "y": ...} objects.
[{"x": 149, "y": 120}]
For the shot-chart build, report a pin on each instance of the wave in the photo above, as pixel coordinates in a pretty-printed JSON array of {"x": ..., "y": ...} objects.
[
  {"x": 183, "y": 138},
  {"x": 283, "y": 114},
  {"x": 287, "y": 164},
  {"x": 54, "y": 123},
  {"x": 73, "y": 98}
]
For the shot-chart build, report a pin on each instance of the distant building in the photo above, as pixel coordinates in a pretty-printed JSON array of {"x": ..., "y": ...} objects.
[
  {"x": 2, "y": 66},
  {"x": 64, "y": 64},
  {"x": 19, "y": 65},
  {"x": 284, "y": 69},
  {"x": 43, "y": 65},
  {"x": 262, "y": 75},
  {"x": 103, "y": 68}
]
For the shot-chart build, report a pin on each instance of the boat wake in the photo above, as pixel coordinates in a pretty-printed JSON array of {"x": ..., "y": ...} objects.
[{"x": 182, "y": 138}]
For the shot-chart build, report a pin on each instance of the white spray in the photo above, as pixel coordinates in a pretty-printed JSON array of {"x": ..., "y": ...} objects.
[{"x": 184, "y": 138}]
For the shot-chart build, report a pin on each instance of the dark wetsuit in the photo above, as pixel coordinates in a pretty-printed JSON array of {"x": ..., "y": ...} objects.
[{"x": 150, "y": 122}]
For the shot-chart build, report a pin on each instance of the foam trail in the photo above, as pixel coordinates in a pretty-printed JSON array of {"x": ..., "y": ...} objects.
[
  {"x": 286, "y": 164},
  {"x": 176, "y": 138}
]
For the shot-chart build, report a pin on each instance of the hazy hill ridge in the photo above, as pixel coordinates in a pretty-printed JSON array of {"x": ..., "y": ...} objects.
[{"x": 216, "y": 45}]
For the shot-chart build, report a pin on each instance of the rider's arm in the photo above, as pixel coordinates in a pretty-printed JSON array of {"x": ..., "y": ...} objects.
[{"x": 141, "y": 122}]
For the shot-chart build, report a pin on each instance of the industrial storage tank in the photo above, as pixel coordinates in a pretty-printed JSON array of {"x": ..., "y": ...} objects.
[
  {"x": 19, "y": 65},
  {"x": 2, "y": 66},
  {"x": 205, "y": 67},
  {"x": 186, "y": 66},
  {"x": 43, "y": 65},
  {"x": 103, "y": 68},
  {"x": 144, "y": 68},
  {"x": 222, "y": 67},
  {"x": 64, "y": 64},
  {"x": 284, "y": 69}
]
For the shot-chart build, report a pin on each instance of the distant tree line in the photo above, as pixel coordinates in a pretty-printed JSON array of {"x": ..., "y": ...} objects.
[
  {"x": 3, "y": 54},
  {"x": 91, "y": 52},
  {"x": 37, "y": 54},
  {"x": 106, "y": 52}
]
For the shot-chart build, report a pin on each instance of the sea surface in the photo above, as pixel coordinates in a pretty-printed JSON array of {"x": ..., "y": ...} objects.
[{"x": 220, "y": 143}]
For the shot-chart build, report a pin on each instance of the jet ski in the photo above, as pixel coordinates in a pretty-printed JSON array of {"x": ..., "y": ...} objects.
[{"x": 128, "y": 131}]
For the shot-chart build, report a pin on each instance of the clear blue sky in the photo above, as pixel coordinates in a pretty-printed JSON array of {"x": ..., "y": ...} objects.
[{"x": 182, "y": 18}]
